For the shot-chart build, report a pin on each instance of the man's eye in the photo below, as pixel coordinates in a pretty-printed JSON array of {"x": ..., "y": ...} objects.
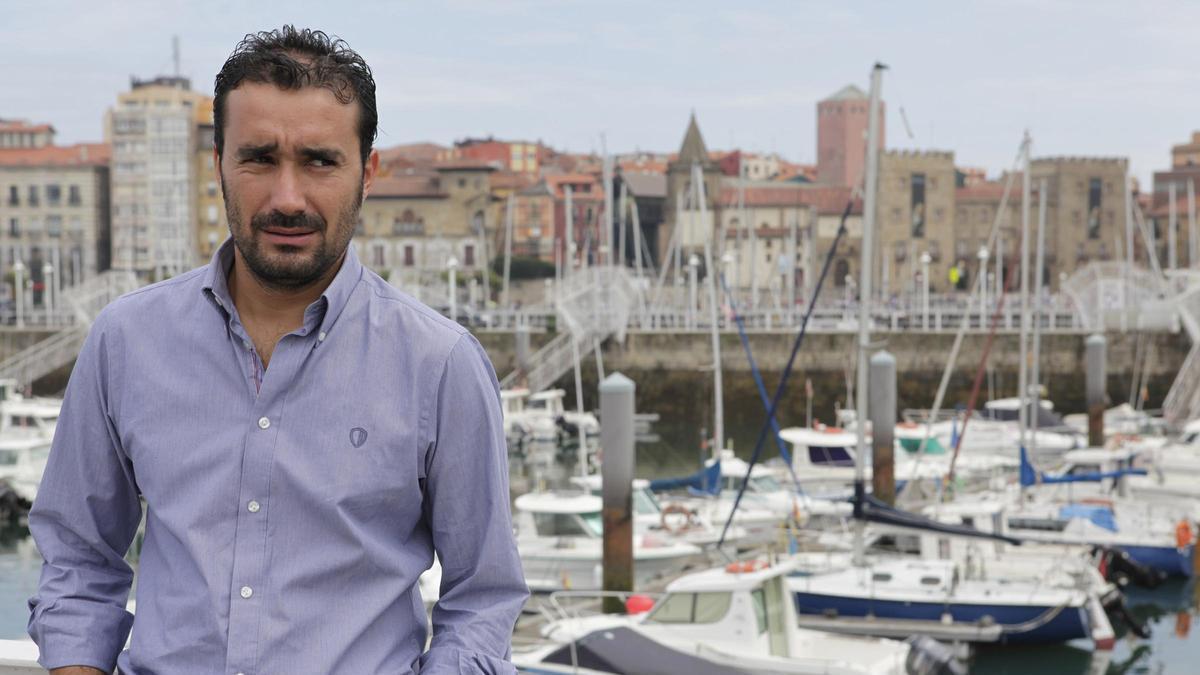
[
  {"x": 322, "y": 162},
  {"x": 261, "y": 159}
]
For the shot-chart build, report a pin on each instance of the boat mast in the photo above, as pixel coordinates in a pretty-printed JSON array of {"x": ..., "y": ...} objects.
[
  {"x": 864, "y": 295},
  {"x": 714, "y": 329},
  {"x": 1038, "y": 266},
  {"x": 1023, "y": 370}
]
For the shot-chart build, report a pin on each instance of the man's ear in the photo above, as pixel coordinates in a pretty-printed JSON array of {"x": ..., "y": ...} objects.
[{"x": 370, "y": 169}]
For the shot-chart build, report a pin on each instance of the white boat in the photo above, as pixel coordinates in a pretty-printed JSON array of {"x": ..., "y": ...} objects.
[
  {"x": 549, "y": 403},
  {"x": 738, "y": 617},
  {"x": 677, "y": 519},
  {"x": 560, "y": 540},
  {"x": 522, "y": 424},
  {"x": 23, "y": 455},
  {"x": 19, "y": 412}
]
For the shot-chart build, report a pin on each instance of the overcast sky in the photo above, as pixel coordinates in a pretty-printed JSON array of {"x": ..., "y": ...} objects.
[{"x": 1085, "y": 77}]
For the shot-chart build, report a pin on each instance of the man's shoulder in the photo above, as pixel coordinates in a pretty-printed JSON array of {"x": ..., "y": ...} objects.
[
  {"x": 412, "y": 316},
  {"x": 160, "y": 301}
]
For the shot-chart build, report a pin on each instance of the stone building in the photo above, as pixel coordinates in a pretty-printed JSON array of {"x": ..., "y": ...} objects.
[
  {"x": 414, "y": 223},
  {"x": 914, "y": 215},
  {"x": 842, "y": 134},
  {"x": 54, "y": 210}
]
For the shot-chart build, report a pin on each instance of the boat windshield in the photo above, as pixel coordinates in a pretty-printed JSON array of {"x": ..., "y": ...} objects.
[
  {"x": 765, "y": 484},
  {"x": 691, "y": 608},
  {"x": 644, "y": 503},
  {"x": 8, "y": 457},
  {"x": 593, "y": 522}
]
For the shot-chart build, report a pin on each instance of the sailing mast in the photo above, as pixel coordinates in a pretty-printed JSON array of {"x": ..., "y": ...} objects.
[
  {"x": 864, "y": 315},
  {"x": 714, "y": 329},
  {"x": 1023, "y": 369}
]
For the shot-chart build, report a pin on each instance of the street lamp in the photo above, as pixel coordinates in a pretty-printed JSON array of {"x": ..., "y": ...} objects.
[
  {"x": 983, "y": 285},
  {"x": 19, "y": 291},
  {"x": 693, "y": 271},
  {"x": 452, "y": 269},
  {"x": 925, "y": 260}
]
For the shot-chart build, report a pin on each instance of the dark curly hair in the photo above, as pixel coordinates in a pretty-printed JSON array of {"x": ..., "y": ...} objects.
[{"x": 291, "y": 59}]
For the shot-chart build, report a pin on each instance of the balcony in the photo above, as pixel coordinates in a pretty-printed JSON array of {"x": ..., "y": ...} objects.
[{"x": 410, "y": 228}]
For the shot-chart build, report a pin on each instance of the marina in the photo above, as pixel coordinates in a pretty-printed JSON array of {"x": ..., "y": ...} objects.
[{"x": 818, "y": 469}]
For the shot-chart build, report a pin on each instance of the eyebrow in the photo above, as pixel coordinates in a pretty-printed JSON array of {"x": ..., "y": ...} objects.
[
  {"x": 326, "y": 154},
  {"x": 251, "y": 151}
]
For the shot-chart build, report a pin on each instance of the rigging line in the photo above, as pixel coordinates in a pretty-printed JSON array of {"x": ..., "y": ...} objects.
[
  {"x": 758, "y": 381},
  {"x": 979, "y": 286},
  {"x": 787, "y": 370},
  {"x": 987, "y": 348}
]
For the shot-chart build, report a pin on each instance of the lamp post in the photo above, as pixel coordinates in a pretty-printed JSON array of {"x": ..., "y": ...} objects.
[
  {"x": 983, "y": 285},
  {"x": 452, "y": 269},
  {"x": 48, "y": 278},
  {"x": 19, "y": 291},
  {"x": 693, "y": 271},
  {"x": 925, "y": 260}
]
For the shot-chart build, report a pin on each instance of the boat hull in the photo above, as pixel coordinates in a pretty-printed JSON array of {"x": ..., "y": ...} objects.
[
  {"x": 1173, "y": 561},
  {"x": 1068, "y": 624}
]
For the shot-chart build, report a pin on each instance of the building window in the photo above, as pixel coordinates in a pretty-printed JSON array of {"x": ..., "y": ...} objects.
[
  {"x": 469, "y": 255},
  {"x": 377, "y": 255},
  {"x": 462, "y": 182},
  {"x": 33, "y": 195},
  {"x": 212, "y": 214},
  {"x": 409, "y": 255},
  {"x": 14, "y": 227},
  {"x": 54, "y": 226},
  {"x": 917, "y": 205},
  {"x": 53, "y": 195},
  {"x": 14, "y": 196},
  {"x": 1093, "y": 211},
  {"x": 73, "y": 198}
]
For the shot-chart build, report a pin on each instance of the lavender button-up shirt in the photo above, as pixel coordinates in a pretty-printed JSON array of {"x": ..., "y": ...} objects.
[{"x": 289, "y": 510}]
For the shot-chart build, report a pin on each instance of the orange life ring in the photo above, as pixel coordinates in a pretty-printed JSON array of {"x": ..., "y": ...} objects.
[
  {"x": 672, "y": 509},
  {"x": 745, "y": 566}
]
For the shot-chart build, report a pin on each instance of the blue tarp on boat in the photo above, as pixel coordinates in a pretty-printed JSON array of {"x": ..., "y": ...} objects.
[
  {"x": 1099, "y": 515},
  {"x": 705, "y": 481}
]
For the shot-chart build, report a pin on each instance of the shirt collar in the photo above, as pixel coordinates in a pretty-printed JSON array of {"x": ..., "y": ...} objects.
[{"x": 324, "y": 311}]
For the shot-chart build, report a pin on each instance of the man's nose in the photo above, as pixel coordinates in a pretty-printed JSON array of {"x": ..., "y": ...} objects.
[{"x": 287, "y": 193}]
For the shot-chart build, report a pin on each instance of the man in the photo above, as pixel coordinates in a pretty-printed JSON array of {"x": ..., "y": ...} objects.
[{"x": 304, "y": 436}]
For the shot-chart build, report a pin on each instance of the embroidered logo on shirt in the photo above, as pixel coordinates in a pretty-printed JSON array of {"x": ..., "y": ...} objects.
[{"x": 358, "y": 436}]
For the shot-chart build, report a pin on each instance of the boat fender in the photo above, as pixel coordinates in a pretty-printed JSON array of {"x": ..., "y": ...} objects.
[
  {"x": 1183, "y": 534},
  {"x": 745, "y": 566},
  {"x": 638, "y": 604}
]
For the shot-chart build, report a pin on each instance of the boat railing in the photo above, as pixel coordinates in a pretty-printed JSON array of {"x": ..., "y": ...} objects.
[{"x": 586, "y": 603}]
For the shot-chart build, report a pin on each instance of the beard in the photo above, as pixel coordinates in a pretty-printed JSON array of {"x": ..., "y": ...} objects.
[{"x": 284, "y": 267}]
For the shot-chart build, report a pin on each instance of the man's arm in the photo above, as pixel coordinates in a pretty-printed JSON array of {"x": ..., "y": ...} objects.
[
  {"x": 467, "y": 504},
  {"x": 83, "y": 520}
]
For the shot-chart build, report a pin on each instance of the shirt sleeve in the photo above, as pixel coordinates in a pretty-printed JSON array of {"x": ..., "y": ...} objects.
[
  {"x": 83, "y": 520},
  {"x": 467, "y": 506}
]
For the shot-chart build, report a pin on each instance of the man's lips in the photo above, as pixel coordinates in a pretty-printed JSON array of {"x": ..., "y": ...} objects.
[{"x": 289, "y": 236}]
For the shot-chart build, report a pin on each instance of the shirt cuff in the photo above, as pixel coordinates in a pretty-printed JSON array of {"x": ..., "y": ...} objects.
[
  {"x": 450, "y": 661},
  {"x": 79, "y": 634}
]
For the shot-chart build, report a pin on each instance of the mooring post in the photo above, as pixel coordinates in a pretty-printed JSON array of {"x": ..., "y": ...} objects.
[
  {"x": 616, "y": 440},
  {"x": 1097, "y": 366},
  {"x": 522, "y": 336},
  {"x": 881, "y": 405}
]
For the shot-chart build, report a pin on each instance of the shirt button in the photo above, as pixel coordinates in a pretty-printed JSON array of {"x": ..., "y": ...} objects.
[
  {"x": 253, "y": 506},
  {"x": 263, "y": 423},
  {"x": 246, "y": 344},
  {"x": 247, "y": 592},
  {"x": 321, "y": 336}
]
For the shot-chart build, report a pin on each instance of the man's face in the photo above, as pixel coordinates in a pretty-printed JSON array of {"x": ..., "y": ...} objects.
[{"x": 293, "y": 181}]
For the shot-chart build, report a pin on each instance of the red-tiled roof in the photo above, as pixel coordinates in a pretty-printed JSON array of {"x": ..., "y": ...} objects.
[
  {"x": 511, "y": 180},
  {"x": 1162, "y": 206},
  {"x": 407, "y": 187},
  {"x": 463, "y": 164},
  {"x": 415, "y": 152},
  {"x": 827, "y": 199},
  {"x": 82, "y": 154},
  {"x": 23, "y": 126}
]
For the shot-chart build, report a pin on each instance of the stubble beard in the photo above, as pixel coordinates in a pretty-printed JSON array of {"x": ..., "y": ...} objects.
[{"x": 290, "y": 268}]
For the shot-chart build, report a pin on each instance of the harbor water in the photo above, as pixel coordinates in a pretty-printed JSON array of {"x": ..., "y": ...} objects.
[{"x": 1169, "y": 610}]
